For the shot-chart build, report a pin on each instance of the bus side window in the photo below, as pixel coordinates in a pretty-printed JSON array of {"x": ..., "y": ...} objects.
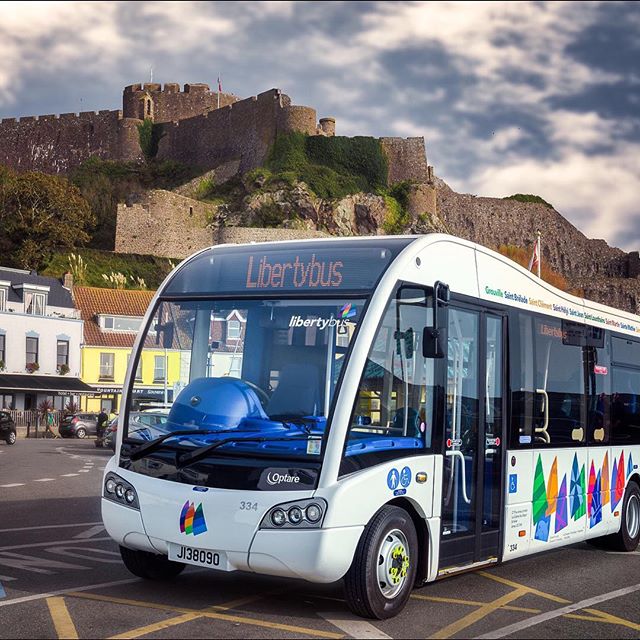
[
  {"x": 393, "y": 411},
  {"x": 521, "y": 374},
  {"x": 625, "y": 406},
  {"x": 560, "y": 385},
  {"x": 599, "y": 376}
]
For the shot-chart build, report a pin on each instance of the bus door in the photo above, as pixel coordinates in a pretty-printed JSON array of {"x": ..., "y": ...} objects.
[{"x": 474, "y": 436}]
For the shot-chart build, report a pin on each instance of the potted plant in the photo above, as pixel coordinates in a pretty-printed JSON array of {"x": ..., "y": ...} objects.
[
  {"x": 2, "y": 365},
  {"x": 32, "y": 366},
  {"x": 63, "y": 369}
]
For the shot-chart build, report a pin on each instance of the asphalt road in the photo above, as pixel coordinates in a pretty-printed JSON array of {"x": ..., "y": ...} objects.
[{"x": 61, "y": 577}]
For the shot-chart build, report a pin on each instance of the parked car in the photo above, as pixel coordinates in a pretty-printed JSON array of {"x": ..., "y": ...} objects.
[
  {"x": 79, "y": 425},
  {"x": 144, "y": 425},
  {"x": 7, "y": 428},
  {"x": 109, "y": 438}
]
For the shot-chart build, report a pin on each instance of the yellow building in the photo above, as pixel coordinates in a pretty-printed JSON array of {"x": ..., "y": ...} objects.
[{"x": 112, "y": 319}]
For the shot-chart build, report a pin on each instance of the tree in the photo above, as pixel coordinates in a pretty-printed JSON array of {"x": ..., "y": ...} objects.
[{"x": 40, "y": 213}]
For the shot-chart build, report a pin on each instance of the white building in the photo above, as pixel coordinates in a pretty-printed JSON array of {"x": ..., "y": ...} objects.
[{"x": 40, "y": 339}]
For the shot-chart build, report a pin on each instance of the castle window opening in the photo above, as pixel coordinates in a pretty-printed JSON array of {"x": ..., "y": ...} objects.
[
  {"x": 190, "y": 211},
  {"x": 148, "y": 107}
]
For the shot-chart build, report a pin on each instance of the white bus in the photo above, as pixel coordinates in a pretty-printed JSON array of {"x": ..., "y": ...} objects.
[{"x": 384, "y": 410}]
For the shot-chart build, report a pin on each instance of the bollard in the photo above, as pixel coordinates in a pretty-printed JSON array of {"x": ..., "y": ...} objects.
[{"x": 28, "y": 428}]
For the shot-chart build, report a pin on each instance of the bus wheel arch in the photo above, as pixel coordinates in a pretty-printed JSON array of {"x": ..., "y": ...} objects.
[
  {"x": 422, "y": 530},
  {"x": 630, "y": 517},
  {"x": 382, "y": 573}
]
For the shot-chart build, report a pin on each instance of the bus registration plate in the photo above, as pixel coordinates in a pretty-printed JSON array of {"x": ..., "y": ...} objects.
[{"x": 199, "y": 557}]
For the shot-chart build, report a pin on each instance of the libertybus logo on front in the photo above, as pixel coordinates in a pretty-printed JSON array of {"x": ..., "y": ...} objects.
[{"x": 192, "y": 519}]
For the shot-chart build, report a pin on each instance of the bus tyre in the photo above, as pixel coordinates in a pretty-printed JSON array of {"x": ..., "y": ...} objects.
[
  {"x": 628, "y": 537},
  {"x": 149, "y": 565},
  {"x": 383, "y": 570}
]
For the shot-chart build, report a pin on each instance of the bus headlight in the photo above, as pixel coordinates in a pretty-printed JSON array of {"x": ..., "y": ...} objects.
[
  {"x": 118, "y": 490},
  {"x": 300, "y": 514}
]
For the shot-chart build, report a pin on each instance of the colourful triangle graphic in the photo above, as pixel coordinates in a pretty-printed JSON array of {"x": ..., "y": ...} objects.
[
  {"x": 188, "y": 521},
  {"x": 575, "y": 496},
  {"x": 620, "y": 479},
  {"x": 630, "y": 465},
  {"x": 592, "y": 484},
  {"x": 596, "y": 504},
  {"x": 183, "y": 515},
  {"x": 582, "y": 509},
  {"x": 539, "y": 493},
  {"x": 542, "y": 529},
  {"x": 614, "y": 485},
  {"x": 605, "y": 479},
  {"x": 552, "y": 488},
  {"x": 199, "y": 524},
  {"x": 561, "y": 510}
]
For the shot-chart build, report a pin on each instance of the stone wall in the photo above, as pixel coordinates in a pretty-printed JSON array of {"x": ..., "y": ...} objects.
[
  {"x": 494, "y": 221},
  {"x": 56, "y": 144},
  {"x": 407, "y": 159},
  {"x": 169, "y": 103},
  {"x": 244, "y": 235},
  {"x": 163, "y": 223},
  {"x": 244, "y": 130}
]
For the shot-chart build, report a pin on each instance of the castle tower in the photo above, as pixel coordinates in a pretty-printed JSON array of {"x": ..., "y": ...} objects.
[
  {"x": 327, "y": 126},
  {"x": 169, "y": 103}
]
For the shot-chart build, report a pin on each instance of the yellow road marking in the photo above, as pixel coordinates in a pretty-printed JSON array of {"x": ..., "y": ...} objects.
[
  {"x": 61, "y": 619},
  {"x": 158, "y": 626},
  {"x": 188, "y": 617},
  {"x": 471, "y": 603},
  {"x": 516, "y": 585},
  {"x": 603, "y": 616},
  {"x": 479, "y": 614},
  {"x": 209, "y": 614}
]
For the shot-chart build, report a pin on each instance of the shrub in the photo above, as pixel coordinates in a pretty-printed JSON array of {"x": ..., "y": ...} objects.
[
  {"x": 63, "y": 369},
  {"x": 150, "y": 135},
  {"x": 332, "y": 167},
  {"x": 528, "y": 197},
  {"x": 397, "y": 217}
]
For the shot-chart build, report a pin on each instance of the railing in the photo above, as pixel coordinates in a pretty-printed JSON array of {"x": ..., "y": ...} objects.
[{"x": 34, "y": 421}]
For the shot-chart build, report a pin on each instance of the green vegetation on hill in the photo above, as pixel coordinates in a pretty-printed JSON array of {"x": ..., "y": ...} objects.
[
  {"x": 151, "y": 269},
  {"x": 332, "y": 167},
  {"x": 529, "y": 197},
  {"x": 105, "y": 183}
]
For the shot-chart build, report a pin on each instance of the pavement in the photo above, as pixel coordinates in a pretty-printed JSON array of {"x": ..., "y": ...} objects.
[{"x": 61, "y": 577}]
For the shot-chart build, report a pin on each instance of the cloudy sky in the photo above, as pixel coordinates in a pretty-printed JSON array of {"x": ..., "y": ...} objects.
[{"x": 536, "y": 97}]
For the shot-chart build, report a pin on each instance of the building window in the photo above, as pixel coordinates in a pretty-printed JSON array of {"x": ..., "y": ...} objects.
[
  {"x": 233, "y": 330},
  {"x": 120, "y": 323},
  {"x": 6, "y": 401},
  {"x": 3, "y": 355},
  {"x": 106, "y": 366},
  {"x": 138, "y": 368},
  {"x": 32, "y": 351},
  {"x": 35, "y": 303},
  {"x": 158, "y": 369},
  {"x": 63, "y": 353},
  {"x": 3, "y": 299}
]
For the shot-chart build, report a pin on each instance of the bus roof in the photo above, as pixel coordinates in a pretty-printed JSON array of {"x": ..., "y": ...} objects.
[{"x": 356, "y": 264}]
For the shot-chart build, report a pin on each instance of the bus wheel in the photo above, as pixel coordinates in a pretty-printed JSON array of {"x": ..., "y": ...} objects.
[
  {"x": 628, "y": 537},
  {"x": 383, "y": 570},
  {"x": 149, "y": 565}
]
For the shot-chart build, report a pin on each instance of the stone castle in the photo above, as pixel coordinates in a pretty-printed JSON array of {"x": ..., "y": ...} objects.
[
  {"x": 198, "y": 127},
  {"x": 226, "y": 136}
]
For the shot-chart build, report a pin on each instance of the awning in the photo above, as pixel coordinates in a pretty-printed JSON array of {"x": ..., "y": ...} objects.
[{"x": 46, "y": 384}]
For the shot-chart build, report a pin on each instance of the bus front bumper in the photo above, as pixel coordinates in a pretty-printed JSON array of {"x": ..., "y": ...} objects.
[{"x": 317, "y": 555}]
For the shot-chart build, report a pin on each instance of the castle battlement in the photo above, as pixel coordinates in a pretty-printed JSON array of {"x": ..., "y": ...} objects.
[{"x": 199, "y": 127}]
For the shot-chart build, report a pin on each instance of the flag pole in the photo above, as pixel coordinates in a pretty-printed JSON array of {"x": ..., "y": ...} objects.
[
  {"x": 218, "y": 90},
  {"x": 539, "y": 254}
]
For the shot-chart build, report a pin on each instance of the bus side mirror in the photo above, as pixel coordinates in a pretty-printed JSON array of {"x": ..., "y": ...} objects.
[
  {"x": 434, "y": 338},
  {"x": 433, "y": 342}
]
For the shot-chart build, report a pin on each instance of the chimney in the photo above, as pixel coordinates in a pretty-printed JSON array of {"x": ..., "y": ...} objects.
[{"x": 67, "y": 282}]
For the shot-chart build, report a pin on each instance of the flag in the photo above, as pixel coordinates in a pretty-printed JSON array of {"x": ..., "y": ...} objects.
[
  {"x": 219, "y": 84},
  {"x": 534, "y": 263}
]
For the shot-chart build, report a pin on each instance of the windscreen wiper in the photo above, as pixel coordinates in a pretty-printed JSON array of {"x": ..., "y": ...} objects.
[
  {"x": 143, "y": 449},
  {"x": 202, "y": 452},
  {"x": 306, "y": 422}
]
